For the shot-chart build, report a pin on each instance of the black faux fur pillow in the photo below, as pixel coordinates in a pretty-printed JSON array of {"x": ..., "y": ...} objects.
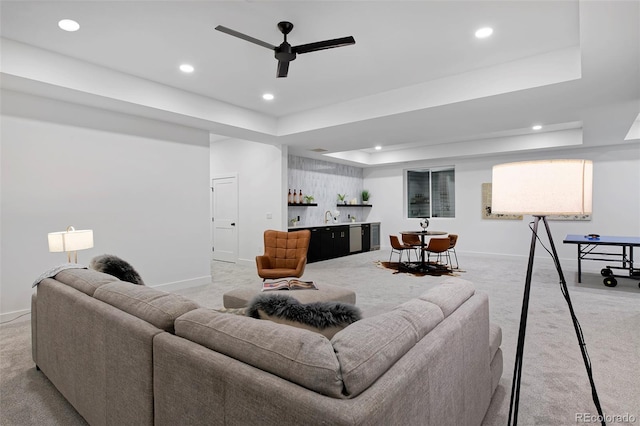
[
  {"x": 117, "y": 267},
  {"x": 326, "y": 318}
]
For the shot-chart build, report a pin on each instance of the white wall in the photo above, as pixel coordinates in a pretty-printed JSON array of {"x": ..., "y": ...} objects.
[
  {"x": 141, "y": 185},
  {"x": 262, "y": 179},
  {"x": 616, "y": 208}
]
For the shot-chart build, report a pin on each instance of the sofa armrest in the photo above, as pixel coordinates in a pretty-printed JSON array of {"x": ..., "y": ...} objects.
[
  {"x": 495, "y": 339},
  {"x": 99, "y": 357},
  {"x": 34, "y": 329}
]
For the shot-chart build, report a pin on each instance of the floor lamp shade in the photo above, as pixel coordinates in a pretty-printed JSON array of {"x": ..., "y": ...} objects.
[{"x": 543, "y": 187}]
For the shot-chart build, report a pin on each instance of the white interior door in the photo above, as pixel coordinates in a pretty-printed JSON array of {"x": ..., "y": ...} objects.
[{"x": 224, "y": 227}]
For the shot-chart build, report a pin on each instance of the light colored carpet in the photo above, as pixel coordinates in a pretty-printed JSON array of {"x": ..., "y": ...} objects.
[{"x": 554, "y": 382}]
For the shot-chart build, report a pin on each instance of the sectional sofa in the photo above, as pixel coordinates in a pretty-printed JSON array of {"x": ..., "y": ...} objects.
[{"x": 128, "y": 354}]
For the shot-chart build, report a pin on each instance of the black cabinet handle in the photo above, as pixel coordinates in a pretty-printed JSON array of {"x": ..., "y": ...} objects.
[{"x": 233, "y": 224}]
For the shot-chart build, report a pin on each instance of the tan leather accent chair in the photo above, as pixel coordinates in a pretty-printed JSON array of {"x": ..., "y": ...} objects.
[{"x": 285, "y": 254}]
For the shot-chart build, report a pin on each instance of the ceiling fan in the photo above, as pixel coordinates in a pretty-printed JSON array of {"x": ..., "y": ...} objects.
[{"x": 286, "y": 53}]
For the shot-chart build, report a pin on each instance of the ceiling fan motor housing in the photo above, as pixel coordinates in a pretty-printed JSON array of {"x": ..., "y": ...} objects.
[{"x": 285, "y": 53}]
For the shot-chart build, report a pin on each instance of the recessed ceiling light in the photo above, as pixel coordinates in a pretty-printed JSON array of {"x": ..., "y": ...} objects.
[
  {"x": 69, "y": 25},
  {"x": 268, "y": 97},
  {"x": 484, "y": 32},
  {"x": 186, "y": 68},
  {"x": 537, "y": 127},
  {"x": 378, "y": 148}
]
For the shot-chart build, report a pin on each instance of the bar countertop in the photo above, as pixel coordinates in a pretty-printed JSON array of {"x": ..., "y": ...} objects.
[{"x": 326, "y": 225}]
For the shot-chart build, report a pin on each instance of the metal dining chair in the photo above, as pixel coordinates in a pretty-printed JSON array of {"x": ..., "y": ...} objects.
[
  {"x": 453, "y": 239},
  {"x": 398, "y": 247},
  {"x": 440, "y": 247},
  {"x": 413, "y": 241}
]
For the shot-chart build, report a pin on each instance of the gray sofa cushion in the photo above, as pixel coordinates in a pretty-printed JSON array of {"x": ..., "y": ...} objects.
[
  {"x": 369, "y": 347},
  {"x": 154, "y": 306},
  {"x": 296, "y": 355},
  {"x": 84, "y": 280},
  {"x": 452, "y": 293}
]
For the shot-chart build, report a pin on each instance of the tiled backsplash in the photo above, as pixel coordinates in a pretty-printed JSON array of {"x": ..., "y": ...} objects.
[{"x": 325, "y": 180}]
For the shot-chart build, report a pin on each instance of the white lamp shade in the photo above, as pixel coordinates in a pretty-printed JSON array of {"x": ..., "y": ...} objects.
[
  {"x": 70, "y": 240},
  {"x": 543, "y": 187}
]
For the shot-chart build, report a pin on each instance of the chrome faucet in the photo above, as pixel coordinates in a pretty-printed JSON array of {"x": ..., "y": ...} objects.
[{"x": 325, "y": 216}]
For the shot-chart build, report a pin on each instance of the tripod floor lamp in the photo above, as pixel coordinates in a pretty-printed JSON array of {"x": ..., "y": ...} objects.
[{"x": 542, "y": 188}]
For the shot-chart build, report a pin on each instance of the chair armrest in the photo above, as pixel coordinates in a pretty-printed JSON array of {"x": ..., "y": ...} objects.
[
  {"x": 263, "y": 262},
  {"x": 302, "y": 262}
]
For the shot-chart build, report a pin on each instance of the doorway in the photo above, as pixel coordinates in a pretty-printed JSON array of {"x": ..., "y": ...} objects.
[{"x": 224, "y": 218}]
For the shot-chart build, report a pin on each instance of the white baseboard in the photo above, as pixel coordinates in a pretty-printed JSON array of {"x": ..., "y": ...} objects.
[
  {"x": 179, "y": 285},
  {"x": 18, "y": 316},
  {"x": 247, "y": 262}
]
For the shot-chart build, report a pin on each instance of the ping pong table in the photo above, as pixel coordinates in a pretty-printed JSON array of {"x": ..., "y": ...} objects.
[{"x": 587, "y": 246}]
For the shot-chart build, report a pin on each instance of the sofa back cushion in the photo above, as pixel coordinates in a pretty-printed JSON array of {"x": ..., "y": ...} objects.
[
  {"x": 153, "y": 306},
  {"x": 297, "y": 355},
  {"x": 452, "y": 293},
  {"x": 84, "y": 280},
  {"x": 369, "y": 347}
]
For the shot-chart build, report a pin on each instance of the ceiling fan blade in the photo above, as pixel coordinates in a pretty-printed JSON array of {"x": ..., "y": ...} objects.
[
  {"x": 283, "y": 69},
  {"x": 245, "y": 37},
  {"x": 321, "y": 45}
]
